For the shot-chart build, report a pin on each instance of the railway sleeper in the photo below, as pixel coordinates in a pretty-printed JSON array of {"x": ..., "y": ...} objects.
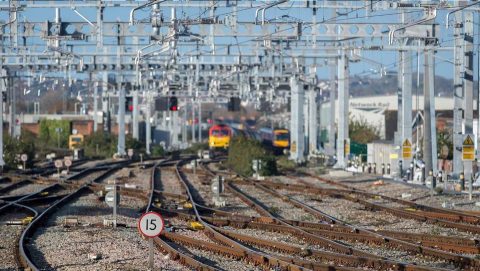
[{"x": 388, "y": 241}]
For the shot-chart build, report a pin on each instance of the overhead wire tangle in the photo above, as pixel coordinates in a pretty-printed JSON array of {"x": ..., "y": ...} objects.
[{"x": 286, "y": 29}]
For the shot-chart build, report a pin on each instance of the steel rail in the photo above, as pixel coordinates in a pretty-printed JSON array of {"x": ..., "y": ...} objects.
[
  {"x": 24, "y": 255},
  {"x": 163, "y": 244},
  {"x": 329, "y": 256},
  {"x": 249, "y": 254},
  {"x": 386, "y": 240}
]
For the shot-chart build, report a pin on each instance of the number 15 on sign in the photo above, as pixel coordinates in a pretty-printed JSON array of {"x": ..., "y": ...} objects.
[{"x": 150, "y": 225}]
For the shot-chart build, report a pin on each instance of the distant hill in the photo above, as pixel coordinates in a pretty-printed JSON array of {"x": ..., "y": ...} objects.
[{"x": 375, "y": 86}]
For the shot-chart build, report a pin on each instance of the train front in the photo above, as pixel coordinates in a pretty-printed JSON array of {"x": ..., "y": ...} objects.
[
  {"x": 281, "y": 139},
  {"x": 219, "y": 137}
]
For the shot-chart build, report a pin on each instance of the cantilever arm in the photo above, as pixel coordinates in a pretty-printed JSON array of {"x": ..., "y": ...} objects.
[
  {"x": 265, "y": 8},
  {"x": 430, "y": 16},
  {"x": 447, "y": 19},
  {"x": 132, "y": 12}
]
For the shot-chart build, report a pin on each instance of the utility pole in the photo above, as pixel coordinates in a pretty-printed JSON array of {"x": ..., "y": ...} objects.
[
  {"x": 468, "y": 89},
  {"x": 430, "y": 135},
  {"x": 333, "y": 64},
  {"x": 95, "y": 106},
  {"x": 458, "y": 96},
  {"x": 2, "y": 92},
  {"x": 121, "y": 117},
  {"x": 297, "y": 143},
  {"x": 343, "y": 98}
]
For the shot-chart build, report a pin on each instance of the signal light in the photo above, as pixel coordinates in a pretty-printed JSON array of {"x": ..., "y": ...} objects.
[
  {"x": 129, "y": 104},
  {"x": 234, "y": 104},
  {"x": 173, "y": 104}
]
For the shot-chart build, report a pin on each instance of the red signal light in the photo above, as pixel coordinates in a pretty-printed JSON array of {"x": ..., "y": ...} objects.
[{"x": 173, "y": 108}]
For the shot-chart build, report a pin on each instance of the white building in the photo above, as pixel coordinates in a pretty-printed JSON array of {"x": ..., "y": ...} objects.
[{"x": 372, "y": 109}]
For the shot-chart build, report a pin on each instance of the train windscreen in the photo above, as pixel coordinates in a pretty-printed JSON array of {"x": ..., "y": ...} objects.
[
  {"x": 220, "y": 132},
  {"x": 282, "y": 136}
]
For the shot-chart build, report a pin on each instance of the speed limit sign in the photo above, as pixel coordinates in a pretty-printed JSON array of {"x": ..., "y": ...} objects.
[{"x": 151, "y": 224}]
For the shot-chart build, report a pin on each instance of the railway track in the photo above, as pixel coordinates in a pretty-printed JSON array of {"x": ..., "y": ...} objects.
[
  {"x": 405, "y": 241},
  {"x": 38, "y": 205},
  {"x": 272, "y": 250},
  {"x": 235, "y": 239}
]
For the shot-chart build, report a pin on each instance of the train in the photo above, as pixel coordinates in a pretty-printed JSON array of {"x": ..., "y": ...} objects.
[
  {"x": 75, "y": 140},
  {"x": 277, "y": 139},
  {"x": 219, "y": 137}
]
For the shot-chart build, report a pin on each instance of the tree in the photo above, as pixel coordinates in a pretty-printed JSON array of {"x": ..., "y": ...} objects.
[
  {"x": 241, "y": 153},
  {"x": 100, "y": 144},
  {"x": 14, "y": 147},
  {"x": 445, "y": 144},
  {"x": 361, "y": 131}
]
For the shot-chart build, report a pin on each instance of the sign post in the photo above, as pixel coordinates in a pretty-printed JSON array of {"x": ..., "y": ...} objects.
[
  {"x": 468, "y": 155},
  {"x": 130, "y": 153},
  {"x": 24, "y": 158},
  {"x": 111, "y": 199},
  {"x": 58, "y": 165},
  {"x": 150, "y": 225},
  {"x": 68, "y": 163}
]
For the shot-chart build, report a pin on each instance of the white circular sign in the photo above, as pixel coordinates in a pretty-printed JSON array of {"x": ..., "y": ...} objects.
[
  {"x": 68, "y": 162},
  {"x": 150, "y": 224},
  {"x": 130, "y": 152},
  {"x": 23, "y": 157},
  {"x": 58, "y": 163},
  {"x": 110, "y": 200}
]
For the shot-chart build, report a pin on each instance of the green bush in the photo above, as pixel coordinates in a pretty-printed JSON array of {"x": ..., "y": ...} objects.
[
  {"x": 104, "y": 145},
  {"x": 49, "y": 136},
  {"x": 100, "y": 144},
  {"x": 132, "y": 143},
  {"x": 14, "y": 147},
  {"x": 284, "y": 163},
  {"x": 195, "y": 148},
  {"x": 241, "y": 153},
  {"x": 157, "y": 150}
]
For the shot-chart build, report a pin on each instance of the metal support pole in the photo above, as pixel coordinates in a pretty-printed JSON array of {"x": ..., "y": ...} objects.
[
  {"x": 11, "y": 100},
  {"x": 406, "y": 109},
  {"x": 150, "y": 253},
  {"x": 312, "y": 121},
  {"x": 193, "y": 122},
  {"x": 183, "y": 125},
  {"x": 297, "y": 145},
  {"x": 468, "y": 89},
  {"x": 457, "y": 96},
  {"x": 135, "y": 114},
  {"x": 343, "y": 97},
  {"x": 333, "y": 93},
  {"x": 148, "y": 125},
  {"x": 105, "y": 104},
  {"x": 2, "y": 92},
  {"x": 95, "y": 106},
  {"x": 121, "y": 120},
  {"x": 306, "y": 120},
  {"x": 199, "y": 121},
  {"x": 430, "y": 135},
  {"x": 115, "y": 203}
]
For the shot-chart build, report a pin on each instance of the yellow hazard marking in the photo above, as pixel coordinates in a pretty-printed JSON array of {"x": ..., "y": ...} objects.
[
  {"x": 468, "y": 149},
  {"x": 27, "y": 220},
  {"x": 196, "y": 226},
  {"x": 468, "y": 141},
  {"x": 407, "y": 143},
  {"x": 187, "y": 205}
]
